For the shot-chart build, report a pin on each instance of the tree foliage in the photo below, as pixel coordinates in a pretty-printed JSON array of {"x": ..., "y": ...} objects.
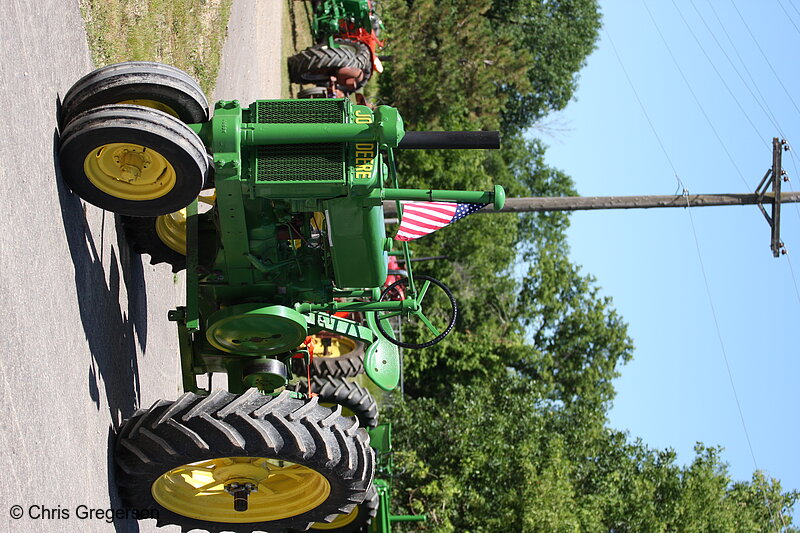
[
  {"x": 488, "y": 61},
  {"x": 446, "y": 60},
  {"x": 558, "y": 36},
  {"x": 504, "y": 458}
]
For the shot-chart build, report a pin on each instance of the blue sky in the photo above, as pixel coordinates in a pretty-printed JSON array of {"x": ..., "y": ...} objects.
[{"x": 678, "y": 389}]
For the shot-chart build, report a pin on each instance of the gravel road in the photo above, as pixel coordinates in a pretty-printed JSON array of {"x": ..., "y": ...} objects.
[{"x": 84, "y": 339}]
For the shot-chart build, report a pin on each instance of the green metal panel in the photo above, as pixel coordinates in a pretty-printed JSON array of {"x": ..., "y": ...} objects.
[
  {"x": 358, "y": 243},
  {"x": 382, "y": 360},
  {"x": 300, "y": 163},
  {"x": 382, "y": 363},
  {"x": 380, "y": 439},
  {"x": 299, "y": 170}
]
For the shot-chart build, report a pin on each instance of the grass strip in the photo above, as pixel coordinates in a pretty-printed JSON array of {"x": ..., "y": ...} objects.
[
  {"x": 188, "y": 34},
  {"x": 296, "y": 37}
]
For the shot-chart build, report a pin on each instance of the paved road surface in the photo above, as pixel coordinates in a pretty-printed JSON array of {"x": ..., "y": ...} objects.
[
  {"x": 251, "y": 66},
  {"x": 83, "y": 335}
]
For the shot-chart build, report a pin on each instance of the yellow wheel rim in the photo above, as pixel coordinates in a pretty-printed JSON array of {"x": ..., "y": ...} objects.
[
  {"x": 153, "y": 104},
  {"x": 129, "y": 171},
  {"x": 171, "y": 229},
  {"x": 283, "y": 489},
  {"x": 340, "y": 521},
  {"x": 339, "y": 346}
]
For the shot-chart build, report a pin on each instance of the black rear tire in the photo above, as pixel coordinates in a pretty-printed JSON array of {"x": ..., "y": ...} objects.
[
  {"x": 90, "y": 132},
  {"x": 142, "y": 236},
  {"x": 316, "y": 64},
  {"x": 349, "y": 395},
  {"x": 365, "y": 512},
  {"x": 194, "y": 429},
  {"x": 345, "y": 364},
  {"x": 141, "y": 81}
]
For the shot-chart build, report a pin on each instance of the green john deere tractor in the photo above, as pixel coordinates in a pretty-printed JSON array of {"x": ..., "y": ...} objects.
[
  {"x": 346, "y": 36},
  {"x": 293, "y": 233}
]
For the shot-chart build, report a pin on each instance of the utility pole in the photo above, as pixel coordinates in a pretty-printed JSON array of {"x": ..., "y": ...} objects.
[{"x": 772, "y": 179}]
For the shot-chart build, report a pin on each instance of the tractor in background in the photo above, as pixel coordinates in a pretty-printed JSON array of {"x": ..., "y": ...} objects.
[
  {"x": 292, "y": 237},
  {"x": 344, "y": 57}
]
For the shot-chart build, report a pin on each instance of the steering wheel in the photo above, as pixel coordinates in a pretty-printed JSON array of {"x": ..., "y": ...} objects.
[{"x": 428, "y": 290}]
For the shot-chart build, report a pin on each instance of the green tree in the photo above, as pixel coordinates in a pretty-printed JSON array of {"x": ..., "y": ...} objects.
[
  {"x": 491, "y": 63},
  {"x": 504, "y": 427},
  {"x": 559, "y": 36},
  {"x": 503, "y": 457},
  {"x": 447, "y": 61}
]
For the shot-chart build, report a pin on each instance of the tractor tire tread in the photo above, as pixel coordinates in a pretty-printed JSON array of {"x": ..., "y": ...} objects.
[
  {"x": 137, "y": 80},
  {"x": 194, "y": 428},
  {"x": 367, "y": 510},
  {"x": 322, "y": 57},
  {"x": 348, "y": 394}
]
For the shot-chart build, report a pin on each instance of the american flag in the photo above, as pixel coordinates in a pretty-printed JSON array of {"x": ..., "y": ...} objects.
[{"x": 422, "y": 218}]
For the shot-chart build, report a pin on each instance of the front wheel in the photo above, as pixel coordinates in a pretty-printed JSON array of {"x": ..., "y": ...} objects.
[
  {"x": 144, "y": 83},
  {"x": 264, "y": 463},
  {"x": 133, "y": 160}
]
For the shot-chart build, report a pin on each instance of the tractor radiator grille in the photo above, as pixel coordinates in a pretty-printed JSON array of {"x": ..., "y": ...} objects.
[
  {"x": 300, "y": 162},
  {"x": 311, "y": 111}
]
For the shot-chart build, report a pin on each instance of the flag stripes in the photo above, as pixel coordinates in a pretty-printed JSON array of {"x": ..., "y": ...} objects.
[{"x": 421, "y": 218}]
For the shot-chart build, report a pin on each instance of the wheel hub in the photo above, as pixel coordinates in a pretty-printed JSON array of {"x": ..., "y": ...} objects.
[
  {"x": 129, "y": 171},
  {"x": 240, "y": 492}
]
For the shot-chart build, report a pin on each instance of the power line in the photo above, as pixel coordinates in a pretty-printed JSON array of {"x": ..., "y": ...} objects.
[
  {"x": 696, "y": 240},
  {"x": 788, "y": 16},
  {"x": 766, "y": 59},
  {"x": 788, "y": 256},
  {"x": 713, "y": 66},
  {"x": 771, "y": 507},
  {"x": 641, "y": 104},
  {"x": 794, "y": 279},
  {"x": 763, "y": 101},
  {"x": 696, "y": 99},
  {"x": 795, "y": 8},
  {"x": 767, "y": 111}
]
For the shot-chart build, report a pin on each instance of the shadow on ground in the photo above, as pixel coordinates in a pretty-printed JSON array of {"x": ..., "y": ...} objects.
[{"x": 112, "y": 333}]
